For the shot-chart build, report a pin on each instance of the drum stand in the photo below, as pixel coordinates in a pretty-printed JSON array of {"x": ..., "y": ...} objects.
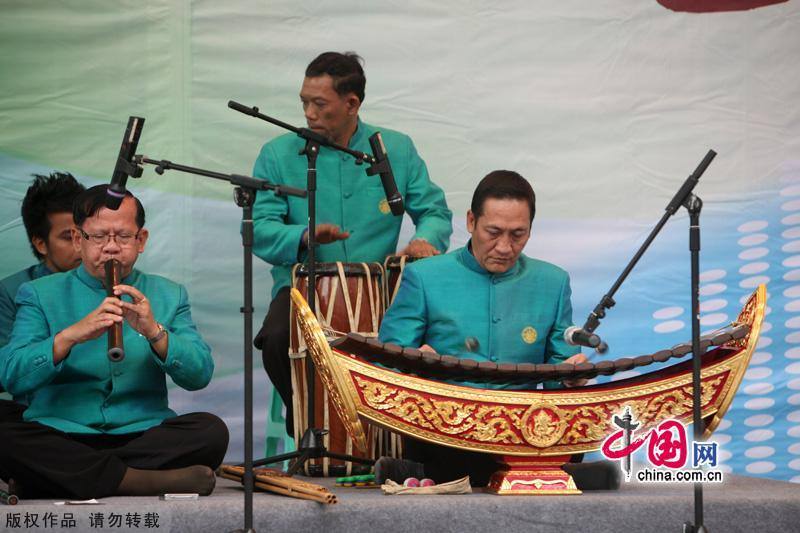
[
  {"x": 244, "y": 196},
  {"x": 311, "y": 443},
  {"x": 684, "y": 197}
]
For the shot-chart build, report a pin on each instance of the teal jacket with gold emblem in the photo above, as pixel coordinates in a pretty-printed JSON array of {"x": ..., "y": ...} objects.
[
  {"x": 346, "y": 196},
  {"x": 87, "y": 393},
  {"x": 452, "y": 304}
]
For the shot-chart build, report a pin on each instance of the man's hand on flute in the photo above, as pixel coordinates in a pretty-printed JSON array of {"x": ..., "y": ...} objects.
[
  {"x": 139, "y": 315},
  {"x": 89, "y": 327}
]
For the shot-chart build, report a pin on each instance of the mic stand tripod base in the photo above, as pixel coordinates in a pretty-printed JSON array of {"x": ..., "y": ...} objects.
[{"x": 312, "y": 446}]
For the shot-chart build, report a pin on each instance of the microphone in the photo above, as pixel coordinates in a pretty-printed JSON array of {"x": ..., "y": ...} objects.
[
  {"x": 116, "y": 352},
  {"x": 384, "y": 168},
  {"x": 576, "y": 336},
  {"x": 125, "y": 167}
]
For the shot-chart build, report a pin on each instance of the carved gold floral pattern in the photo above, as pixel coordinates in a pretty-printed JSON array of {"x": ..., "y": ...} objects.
[
  {"x": 325, "y": 365},
  {"x": 540, "y": 424},
  {"x": 543, "y": 424}
]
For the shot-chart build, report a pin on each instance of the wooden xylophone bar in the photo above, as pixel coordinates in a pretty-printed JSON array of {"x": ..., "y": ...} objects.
[{"x": 435, "y": 366}]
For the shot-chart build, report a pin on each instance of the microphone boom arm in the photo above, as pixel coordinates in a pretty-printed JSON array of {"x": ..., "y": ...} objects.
[
  {"x": 682, "y": 197},
  {"x": 303, "y": 133},
  {"x": 234, "y": 179}
]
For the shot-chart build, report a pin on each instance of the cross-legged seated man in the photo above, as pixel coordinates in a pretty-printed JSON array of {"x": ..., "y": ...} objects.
[
  {"x": 487, "y": 302},
  {"x": 95, "y": 427}
]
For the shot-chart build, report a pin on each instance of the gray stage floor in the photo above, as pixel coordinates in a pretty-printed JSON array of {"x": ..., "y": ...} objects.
[{"x": 739, "y": 504}]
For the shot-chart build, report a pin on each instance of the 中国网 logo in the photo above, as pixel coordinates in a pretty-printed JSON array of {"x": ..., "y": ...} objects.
[{"x": 667, "y": 452}]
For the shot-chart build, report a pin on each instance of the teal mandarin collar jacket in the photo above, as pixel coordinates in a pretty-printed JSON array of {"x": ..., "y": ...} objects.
[
  {"x": 87, "y": 393},
  {"x": 347, "y": 197},
  {"x": 458, "y": 308}
]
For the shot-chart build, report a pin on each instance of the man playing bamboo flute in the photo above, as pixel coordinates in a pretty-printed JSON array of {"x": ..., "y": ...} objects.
[{"x": 96, "y": 427}]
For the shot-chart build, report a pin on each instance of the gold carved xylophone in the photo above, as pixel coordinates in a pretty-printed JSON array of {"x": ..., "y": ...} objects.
[{"x": 533, "y": 432}]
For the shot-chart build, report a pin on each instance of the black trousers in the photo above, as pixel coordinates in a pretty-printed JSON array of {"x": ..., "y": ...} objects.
[
  {"x": 273, "y": 341},
  {"x": 443, "y": 464},
  {"x": 47, "y": 463},
  {"x": 11, "y": 411}
]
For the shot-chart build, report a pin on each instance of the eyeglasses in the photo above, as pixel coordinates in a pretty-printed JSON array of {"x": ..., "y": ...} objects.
[{"x": 101, "y": 239}]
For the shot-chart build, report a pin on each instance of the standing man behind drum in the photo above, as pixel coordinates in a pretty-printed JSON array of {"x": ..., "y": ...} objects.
[{"x": 355, "y": 220}]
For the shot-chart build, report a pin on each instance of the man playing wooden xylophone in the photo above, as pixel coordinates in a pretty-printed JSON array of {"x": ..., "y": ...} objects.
[{"x": 487, "y": 302}]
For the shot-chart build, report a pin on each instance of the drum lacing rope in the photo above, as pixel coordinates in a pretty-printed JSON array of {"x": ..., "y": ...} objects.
[{"x": 390, "y": 300}]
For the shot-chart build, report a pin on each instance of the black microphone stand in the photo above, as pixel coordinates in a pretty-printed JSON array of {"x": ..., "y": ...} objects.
[
  {"x": 244, "y": 196},
  {"x": 684, "y": 197},
  {"x": 311, "y": 443},
  {"x": 693, "y": 205}
]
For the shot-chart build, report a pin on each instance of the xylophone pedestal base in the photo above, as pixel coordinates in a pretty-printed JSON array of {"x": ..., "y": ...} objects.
[{"x": 532, "y": 475}]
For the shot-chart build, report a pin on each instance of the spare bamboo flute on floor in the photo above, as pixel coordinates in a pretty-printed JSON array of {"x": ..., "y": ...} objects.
[
  {"x": 280, "y": 483},
  {"x": 327, "y": 498}
]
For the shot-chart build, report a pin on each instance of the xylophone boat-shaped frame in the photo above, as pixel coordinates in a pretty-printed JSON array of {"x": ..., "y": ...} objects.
[{"x": 533, "y": 432}]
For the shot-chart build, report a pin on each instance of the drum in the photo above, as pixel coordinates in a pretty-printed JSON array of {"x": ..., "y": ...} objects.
[
  {"x": 349, "y": 298},
  {"x": 393, "y": 267}
]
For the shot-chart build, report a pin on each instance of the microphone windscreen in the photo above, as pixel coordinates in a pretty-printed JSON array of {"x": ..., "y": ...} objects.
[{"x": 125, "y": 166}]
